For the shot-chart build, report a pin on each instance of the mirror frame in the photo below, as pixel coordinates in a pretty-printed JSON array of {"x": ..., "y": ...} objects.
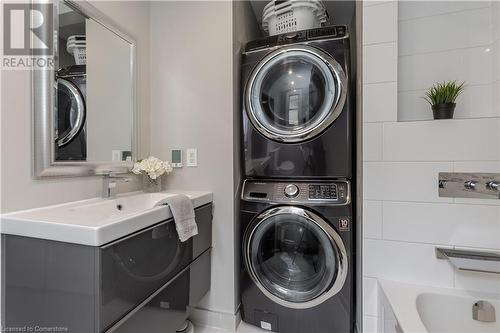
[{"x": 43, "y": 97}]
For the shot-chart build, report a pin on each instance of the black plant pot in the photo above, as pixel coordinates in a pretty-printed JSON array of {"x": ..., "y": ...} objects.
[{"x": 443, "y": 110}]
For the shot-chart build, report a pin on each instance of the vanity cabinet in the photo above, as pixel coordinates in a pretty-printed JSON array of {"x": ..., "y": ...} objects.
[{"x": 142, "y": 282}]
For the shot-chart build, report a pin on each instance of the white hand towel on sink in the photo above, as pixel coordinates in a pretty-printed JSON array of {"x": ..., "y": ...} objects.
[{"x": 183, "y": 213}]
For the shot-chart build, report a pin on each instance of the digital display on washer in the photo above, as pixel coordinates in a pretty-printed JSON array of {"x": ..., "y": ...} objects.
[{"x": 323, "y": 191}]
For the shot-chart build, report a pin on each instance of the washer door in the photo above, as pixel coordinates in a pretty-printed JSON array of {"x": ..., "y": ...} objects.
[
  {"x": 70, "y": 112},
  {"x": 294, "y": 257},
  {"x": 295, "y": 93}
]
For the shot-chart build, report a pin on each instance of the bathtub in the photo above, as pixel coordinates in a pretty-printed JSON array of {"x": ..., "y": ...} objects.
[{"x": 405, "y": 308}]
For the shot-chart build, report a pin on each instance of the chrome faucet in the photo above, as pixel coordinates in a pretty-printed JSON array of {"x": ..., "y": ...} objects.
[
  {"x": 483, "y": 311},
  {"x": 109, "y": 184}
]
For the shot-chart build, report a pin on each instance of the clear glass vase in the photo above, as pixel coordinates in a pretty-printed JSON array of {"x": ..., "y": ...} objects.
[{"x": 151, "y": 185}]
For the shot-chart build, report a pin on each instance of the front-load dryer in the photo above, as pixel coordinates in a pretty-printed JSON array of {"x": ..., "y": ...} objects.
[
  {"x": 297, "y": 254},
  {"x": 71, "y": 112},
  {"x": 297, "y": 105}
]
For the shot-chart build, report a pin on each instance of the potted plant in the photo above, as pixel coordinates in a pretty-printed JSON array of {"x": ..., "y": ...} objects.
[
  {"x": 442, "y": 98},
  {"x": 152, "y": 169}
]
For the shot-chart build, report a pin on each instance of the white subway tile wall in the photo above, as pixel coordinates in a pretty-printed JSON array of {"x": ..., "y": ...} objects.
[
  {"x": 380, "y": 102},
  {"x": 404, "y": 261},
  {"x": 372, "y": 141},
  {"x": 379, "y": 62},
  {"x": 370, "y": 290},
  {"x": 447, "y": 140},
  {"x": 372, "y": 219},
  {"x": 449, "y": 31},
  {"x": 404, "y": 181},
  {"x": 404, "y": 219},
  {"x": 378, "y": 27}
]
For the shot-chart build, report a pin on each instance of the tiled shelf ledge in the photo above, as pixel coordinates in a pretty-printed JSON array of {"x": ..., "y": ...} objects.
[{"x": 444, "y": 120}]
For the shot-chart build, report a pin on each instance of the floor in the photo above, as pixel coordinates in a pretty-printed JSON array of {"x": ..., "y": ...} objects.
[{"x": 242, "y": 328}]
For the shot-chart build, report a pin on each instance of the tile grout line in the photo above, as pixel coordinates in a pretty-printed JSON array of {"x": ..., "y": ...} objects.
[
  {"x": 444, "y": 14},
  {"x": 444, "y": 50},
  {"x": 380, "y": 43},
  {"x": 481, "y": 85},
  {"x": 382, "y": 222},
  {"x": 379, "y": 3}
]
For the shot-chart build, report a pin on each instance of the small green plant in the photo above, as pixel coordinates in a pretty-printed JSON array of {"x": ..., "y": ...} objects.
[{"x": 442, "y": 93}]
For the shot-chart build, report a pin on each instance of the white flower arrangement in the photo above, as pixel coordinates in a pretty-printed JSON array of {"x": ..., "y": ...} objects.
[{"x": 152, "y": 167}]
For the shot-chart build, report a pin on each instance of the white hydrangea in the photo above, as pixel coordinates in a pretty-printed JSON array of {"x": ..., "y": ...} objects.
[{"x": 153, "y": 167}]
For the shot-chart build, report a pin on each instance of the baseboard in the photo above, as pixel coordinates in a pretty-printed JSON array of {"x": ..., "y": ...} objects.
[{"x": 220, "y": 320}]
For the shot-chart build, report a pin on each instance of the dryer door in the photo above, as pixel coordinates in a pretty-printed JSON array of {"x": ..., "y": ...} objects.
[
  {"x": 295, "y": 93},
  {"x": 70, "y": 112},
  {"x": 295, "y": 257}
]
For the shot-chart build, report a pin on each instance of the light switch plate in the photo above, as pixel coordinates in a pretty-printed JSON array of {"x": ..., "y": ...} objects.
[
  {"x": 191, "y": 157},
  {"x": 176, "y": 158},
  {"x": 116, "y": 155}
]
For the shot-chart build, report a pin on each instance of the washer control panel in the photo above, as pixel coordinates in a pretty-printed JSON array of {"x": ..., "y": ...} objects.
[
  {"x": 323, "y": 191},
  {"x": 335, "y": 192},
  {"x": 291, "y": 190}
]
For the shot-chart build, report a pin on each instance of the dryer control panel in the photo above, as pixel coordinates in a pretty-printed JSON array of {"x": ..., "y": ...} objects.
[
  {"x": 336, "y": 192},
  {"x": 331, "y": 32}
]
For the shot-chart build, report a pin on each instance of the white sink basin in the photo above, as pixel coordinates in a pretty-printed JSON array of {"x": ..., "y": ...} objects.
[
  {"x": 95, "y": 221},
  {"x": 103, "y": 210}
]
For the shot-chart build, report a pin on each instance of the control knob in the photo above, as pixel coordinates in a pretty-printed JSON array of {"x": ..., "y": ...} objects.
[
  {"x": 493, "y": 186},
  {"x": 291, "y": 191},
  {"x": 470, "y": 185}
]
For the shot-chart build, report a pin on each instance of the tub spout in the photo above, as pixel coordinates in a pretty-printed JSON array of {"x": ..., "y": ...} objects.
[{"x": 483, "y": 311}]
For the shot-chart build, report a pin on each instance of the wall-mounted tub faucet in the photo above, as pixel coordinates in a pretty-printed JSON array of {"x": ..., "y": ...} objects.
[
  {"x": 483, "y": 311},
  {"x": 469, "y": 185}
]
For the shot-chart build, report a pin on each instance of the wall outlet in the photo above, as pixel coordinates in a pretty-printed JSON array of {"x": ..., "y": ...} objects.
[
  {"x": 191, "y": 157},
  {"x": 176, "y": 158}
]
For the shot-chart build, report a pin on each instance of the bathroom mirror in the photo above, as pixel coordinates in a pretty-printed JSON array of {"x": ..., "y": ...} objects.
[
  {"x": 446, "y": 41},
  {"x": 84, "y": 108}
]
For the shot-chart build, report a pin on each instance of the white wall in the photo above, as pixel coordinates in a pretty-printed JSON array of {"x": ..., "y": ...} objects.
[
  {"x": 192, "y": 107},
  {"x": 404, "y": 219},
  {"x": 18, "y": 189},
  {"x": 245, "y": 28}
]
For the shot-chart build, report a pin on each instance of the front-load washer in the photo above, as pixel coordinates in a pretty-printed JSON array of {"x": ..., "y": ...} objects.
[
  {"x": 297, "y": 105},
  {"x": 297, "y": 254},
  {"x": 71, "y": 111}
]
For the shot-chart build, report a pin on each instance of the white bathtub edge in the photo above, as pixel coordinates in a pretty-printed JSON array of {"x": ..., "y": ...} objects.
[{"x": 402, "y": 298}]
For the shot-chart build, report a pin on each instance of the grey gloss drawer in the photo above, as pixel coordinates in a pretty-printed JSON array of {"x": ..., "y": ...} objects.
[
  {"x": 135, "y": 267},
  {"x": 166, "y": 310},
  {"x": 203, "y": 240},
  {"x": 89, "y": 289}
]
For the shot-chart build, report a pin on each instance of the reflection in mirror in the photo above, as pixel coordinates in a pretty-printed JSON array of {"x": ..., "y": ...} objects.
[
  {"x": 93, "y": 104},
  {"x": 447, "y": 41}
]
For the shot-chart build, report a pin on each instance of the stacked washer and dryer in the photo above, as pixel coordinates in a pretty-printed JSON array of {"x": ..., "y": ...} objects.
[{"x": 296, "y": 212}]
